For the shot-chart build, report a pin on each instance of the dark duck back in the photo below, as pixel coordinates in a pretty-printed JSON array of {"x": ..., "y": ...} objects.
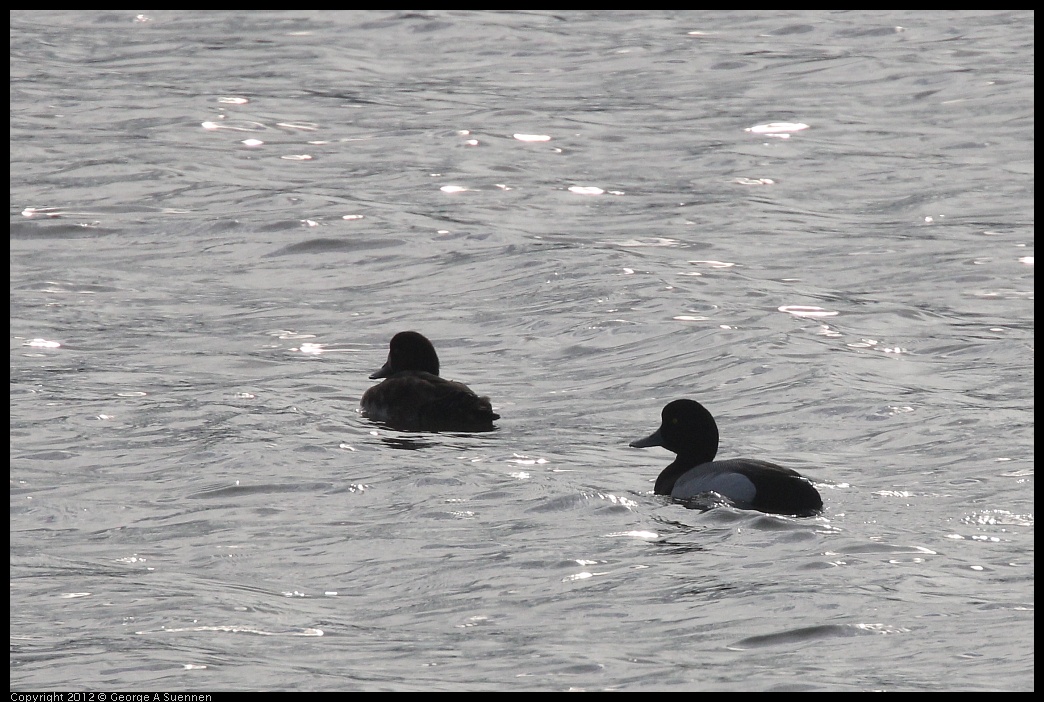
[{"x": 413, "y": 397}]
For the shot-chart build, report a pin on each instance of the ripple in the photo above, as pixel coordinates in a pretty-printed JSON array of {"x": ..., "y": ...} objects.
[
  {"x": 523, "y": 460},
  {"x": 807, "y": 311},
  {"x": 876, "y": 346},
  {"x": 644, "y": 535},
  {"x": 647, "y": 241},
  {"x": 235, "y": 126},
  {"x": 1002, "y": 294},
  {"x": 586, "y": 190},
  {"x": 712, "y": 264},
  {"x": 240, "y": 629},
  {"x": 995, "y": 517},
  {"x": 779, "y": 130},
  {"x": 42, "y": 344},
  {"x": 812, "y": 633}
]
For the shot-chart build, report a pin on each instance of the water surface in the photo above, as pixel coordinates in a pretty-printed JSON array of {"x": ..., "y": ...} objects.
[{"x": 818, "y": 224}]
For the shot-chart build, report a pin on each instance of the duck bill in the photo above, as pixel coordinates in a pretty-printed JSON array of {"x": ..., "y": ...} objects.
[
  {"x": 654, "y": 439},
  {"x": 383, "y": 372}
]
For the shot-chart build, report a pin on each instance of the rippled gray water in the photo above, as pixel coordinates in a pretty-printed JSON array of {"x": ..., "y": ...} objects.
[{"x": 820, "y": 225}]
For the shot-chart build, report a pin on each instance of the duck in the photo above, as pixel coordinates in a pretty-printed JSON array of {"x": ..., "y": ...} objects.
[
  {"x": 413, "y": 397},
  {"x": 688, "y": 429}
]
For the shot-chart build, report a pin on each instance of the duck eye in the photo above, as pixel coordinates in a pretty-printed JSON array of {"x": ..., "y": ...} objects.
[{"x": 674, "y": 420}]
